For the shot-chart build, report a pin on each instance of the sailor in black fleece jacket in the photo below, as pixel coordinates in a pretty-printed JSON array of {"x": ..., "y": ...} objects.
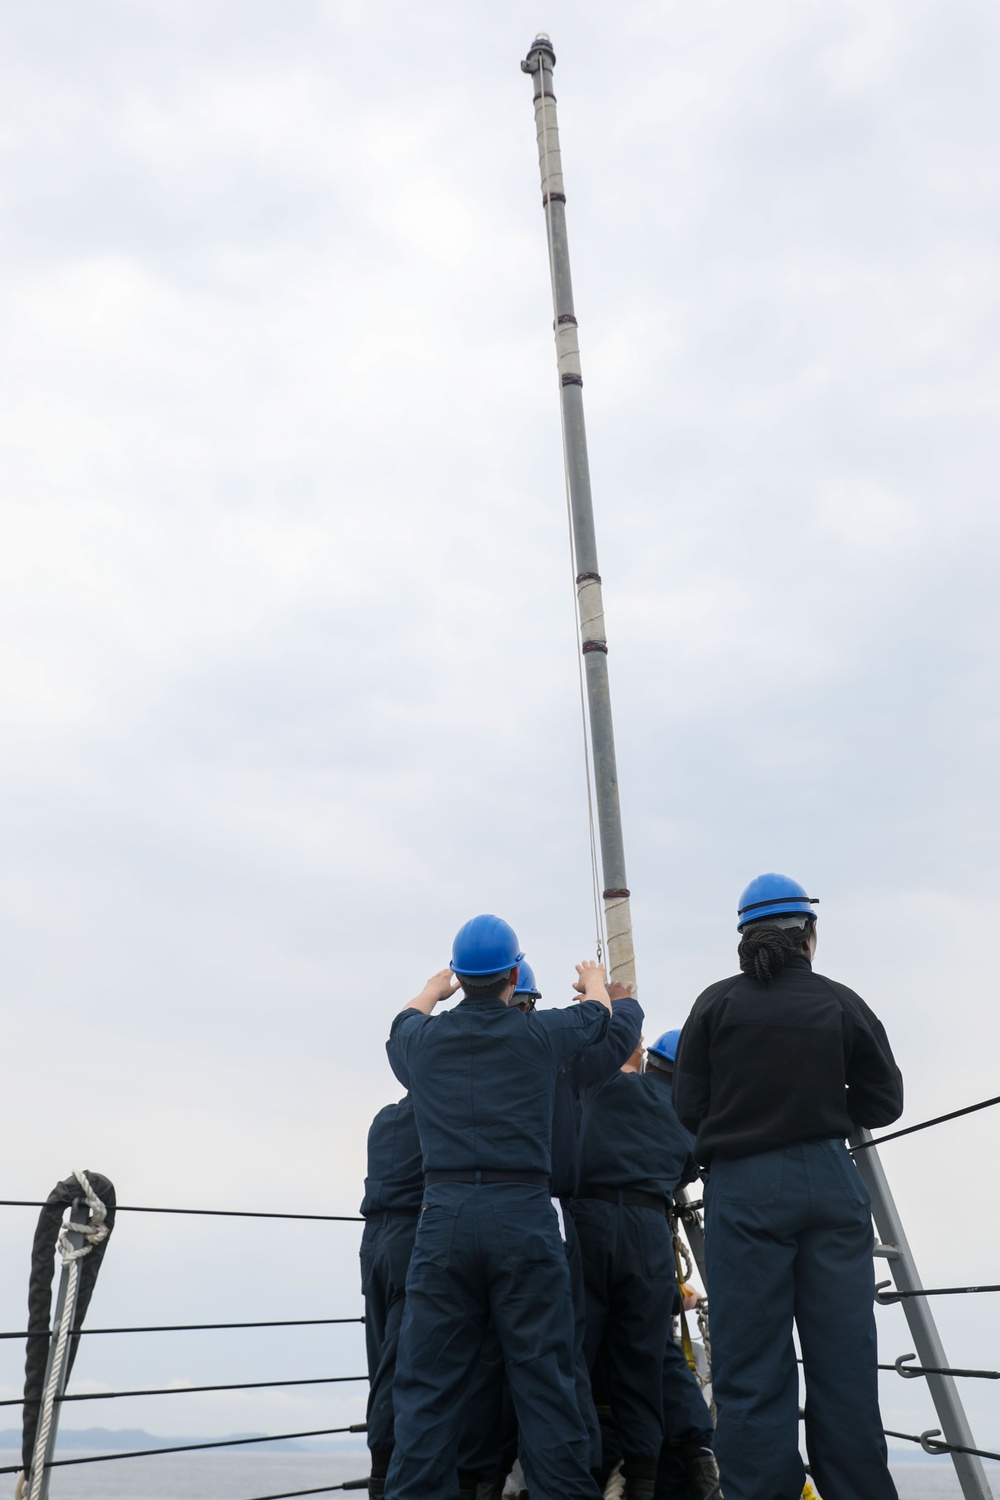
[
  {"x": 822, "y": 1065},
  {"x": 775, "y": 1067}
]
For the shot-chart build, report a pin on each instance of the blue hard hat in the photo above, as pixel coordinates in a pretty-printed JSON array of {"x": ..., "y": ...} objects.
[
  {"x": 665, "y": 1046},
  {"x": 526, "y": 981},
  {"x": 773, "y": 896},
  {"x": 485, "y": 945}
]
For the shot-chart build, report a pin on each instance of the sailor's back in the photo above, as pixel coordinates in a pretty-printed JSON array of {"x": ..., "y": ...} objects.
[
  {"x": 482, "y": 1078},
  {"x": 395, "y": 1179}
]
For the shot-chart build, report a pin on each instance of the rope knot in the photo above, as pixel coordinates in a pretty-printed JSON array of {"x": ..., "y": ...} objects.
[{"x": 93, "y": 1233}]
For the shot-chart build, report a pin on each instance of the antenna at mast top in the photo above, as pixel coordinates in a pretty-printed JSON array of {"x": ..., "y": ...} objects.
[{"x": 542, "y": 43}]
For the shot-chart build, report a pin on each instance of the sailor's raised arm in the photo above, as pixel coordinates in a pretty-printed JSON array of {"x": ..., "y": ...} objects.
[
  {"x": 440, "y": 986},
  {"x": 591, "y": 982},
  {"x": 599, "y": 1061}
]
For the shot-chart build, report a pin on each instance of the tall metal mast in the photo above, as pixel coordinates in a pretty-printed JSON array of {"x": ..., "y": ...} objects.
[
  {"x": 590, "y": 604},
  {"x": 540, "y": 62}
]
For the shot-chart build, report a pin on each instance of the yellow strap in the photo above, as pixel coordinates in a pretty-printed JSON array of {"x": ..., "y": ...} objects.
[
  {"x": 809, "y": 1493},
  {"x": 686, "y": 1344}
]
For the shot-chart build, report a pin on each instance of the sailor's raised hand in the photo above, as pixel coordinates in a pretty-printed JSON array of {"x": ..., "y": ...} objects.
[
  {"x": 590, "y": 981},
  {"x": 619, "y": 991},
  {"x": 440, "y": 986}
]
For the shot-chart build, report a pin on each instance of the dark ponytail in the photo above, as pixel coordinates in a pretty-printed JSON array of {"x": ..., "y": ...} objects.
[{"x": 764, "y": 949}]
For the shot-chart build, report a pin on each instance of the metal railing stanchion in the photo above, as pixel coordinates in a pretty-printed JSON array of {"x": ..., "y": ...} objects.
[{"x": 896, "y": 1251}]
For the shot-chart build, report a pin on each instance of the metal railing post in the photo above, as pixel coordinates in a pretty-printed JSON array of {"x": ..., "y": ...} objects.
[
  {"x": 895, "y": 1249},
  {"x": 37, "y": 1487}
]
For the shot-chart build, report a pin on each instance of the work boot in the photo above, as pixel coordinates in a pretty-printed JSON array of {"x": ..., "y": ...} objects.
[
  {"x": 380, "y": 1458},
  {"x": 640, "y": 1476},
  {"x": 468, "y": 1483},
  {"x": 703, "y": 1477}
]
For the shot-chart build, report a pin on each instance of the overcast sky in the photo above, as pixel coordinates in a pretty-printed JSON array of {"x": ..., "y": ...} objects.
[{"x": 287, "y": 644}]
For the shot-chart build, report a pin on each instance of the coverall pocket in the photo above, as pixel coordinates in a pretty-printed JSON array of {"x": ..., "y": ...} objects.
[
  {"x": 596, "y": 1237},
  {"x": 749, "y": 1179},
  {"x": 848, "y": 1176},
  {"x": 528, "y": 1237},
  {"x": 657, "y": 1249},
  {"x": 436, "y": 1234},
  {"x": 369, "y": 1246}
]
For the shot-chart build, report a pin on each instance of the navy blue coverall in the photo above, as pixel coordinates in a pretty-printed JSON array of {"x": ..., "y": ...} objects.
[
  {"x": 586, "y": 1070},
  {"x": 633, "y": 1154},
  {"x": 482, "y": 1444},
  {"x": 687, "y": 1423},
  {"x": 482, "y": 1078},
  {"x": 772, "y": 1078},
  {"x": 394, "y": 1189}
]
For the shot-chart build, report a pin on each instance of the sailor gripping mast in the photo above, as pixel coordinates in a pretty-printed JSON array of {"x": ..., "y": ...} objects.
[{"x": 540, "y": 62}]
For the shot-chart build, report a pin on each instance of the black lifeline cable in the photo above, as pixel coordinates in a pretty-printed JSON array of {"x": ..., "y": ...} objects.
[
  {"x": 931, "y": 1443},
  {"x": 324, "y": 1489},
  {"x": 914, "y": 1372},
  {"x": 194, "y": 1390},
  {"x": 955, "y": 1114},
  {"x": 219, "y": 1213},
  {"x": 930, "y": 1291},
  {"x": 43, "y": 1333},
  {"x": 105, "y": 1458}
]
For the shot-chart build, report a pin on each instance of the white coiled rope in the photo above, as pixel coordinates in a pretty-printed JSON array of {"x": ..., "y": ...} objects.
[{"x": 93, "y": 1233}]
